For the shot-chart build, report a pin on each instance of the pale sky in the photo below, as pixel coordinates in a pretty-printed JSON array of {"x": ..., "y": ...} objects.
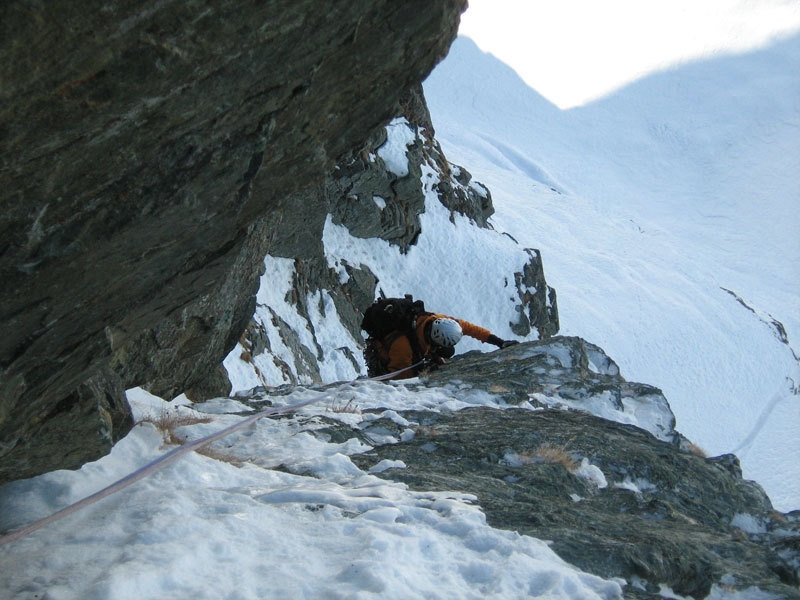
[{"x": 574, "y": 51}]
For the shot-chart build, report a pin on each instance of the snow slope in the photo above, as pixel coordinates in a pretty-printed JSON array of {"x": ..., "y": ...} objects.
[{"x": 667, "y": 217}]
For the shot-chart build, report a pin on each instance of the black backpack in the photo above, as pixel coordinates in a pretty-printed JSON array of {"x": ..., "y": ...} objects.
[
  {"x": 387, "y": 315},
  {"x": 392, "y": 314}
]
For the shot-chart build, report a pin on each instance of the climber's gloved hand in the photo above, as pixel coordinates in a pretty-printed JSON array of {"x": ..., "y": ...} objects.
[
  {"x": 493, "y": 339},
  {"x": 432, "y": 363}
]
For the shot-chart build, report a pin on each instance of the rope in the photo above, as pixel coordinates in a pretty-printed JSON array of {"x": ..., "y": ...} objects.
[
  {"x": 177, "y": 453},
  {"x": 761, "y": 421}
]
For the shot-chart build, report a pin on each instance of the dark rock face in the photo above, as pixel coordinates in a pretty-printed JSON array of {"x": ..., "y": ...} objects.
[
  {"x": 615, "y": 499},
  {"x": 152, "y": 152}
]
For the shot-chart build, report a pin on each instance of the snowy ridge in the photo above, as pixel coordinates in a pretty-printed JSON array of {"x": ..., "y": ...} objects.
[{"x": 321, "y": 333}]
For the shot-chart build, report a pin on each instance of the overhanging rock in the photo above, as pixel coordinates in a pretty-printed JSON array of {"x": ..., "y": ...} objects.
[{"x": 149, "y": 149}]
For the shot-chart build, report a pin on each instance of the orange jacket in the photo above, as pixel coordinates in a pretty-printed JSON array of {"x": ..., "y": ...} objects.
[{"x": 395, "y": 349}]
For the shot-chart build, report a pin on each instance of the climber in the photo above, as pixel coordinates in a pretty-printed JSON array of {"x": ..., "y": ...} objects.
[{"x": 402, "y": 333}]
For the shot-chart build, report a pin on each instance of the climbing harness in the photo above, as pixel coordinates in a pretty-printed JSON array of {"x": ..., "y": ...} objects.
[{"x": 178, "y": 452}]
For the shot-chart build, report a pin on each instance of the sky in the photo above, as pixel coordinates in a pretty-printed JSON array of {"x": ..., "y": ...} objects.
[{"x": 575, "y": 51}]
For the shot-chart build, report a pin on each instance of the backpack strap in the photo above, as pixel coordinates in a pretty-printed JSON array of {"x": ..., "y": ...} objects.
[{"x": 413, "y": 338}]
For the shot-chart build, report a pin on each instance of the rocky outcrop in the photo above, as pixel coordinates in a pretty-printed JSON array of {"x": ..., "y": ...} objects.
[
  {"x": 153, "y": 153},
  {"x": 659, "y": 516},
  {"x": 354, "y": 184},
  {"x": 575, "y": 454}
]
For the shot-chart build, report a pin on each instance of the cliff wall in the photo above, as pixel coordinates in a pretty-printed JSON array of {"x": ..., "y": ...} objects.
[{"x": 152, "y": 152}]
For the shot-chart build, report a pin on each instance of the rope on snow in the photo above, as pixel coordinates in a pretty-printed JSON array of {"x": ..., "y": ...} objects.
[{"x": 175, "y": 454}]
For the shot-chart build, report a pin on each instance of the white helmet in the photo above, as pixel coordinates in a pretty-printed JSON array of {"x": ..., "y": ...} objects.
[{"x": 445, "y": 332}]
